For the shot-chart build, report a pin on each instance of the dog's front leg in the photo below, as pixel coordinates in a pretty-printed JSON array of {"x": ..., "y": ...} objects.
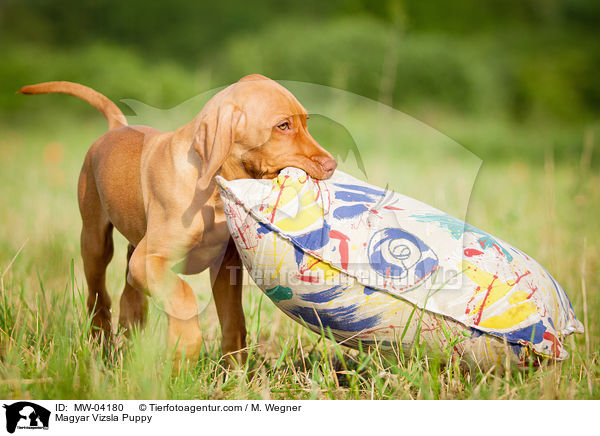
[
  {"x": 227, "y": 292},
  {"x": 150, "y": 270}
]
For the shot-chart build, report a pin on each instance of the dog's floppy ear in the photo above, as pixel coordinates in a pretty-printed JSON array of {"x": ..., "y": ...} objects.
[{"x": 214, "y": 138}]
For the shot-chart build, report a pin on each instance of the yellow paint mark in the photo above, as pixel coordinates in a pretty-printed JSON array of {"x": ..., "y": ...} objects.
[
  {"x": 306, "y": 217},
  {"x": 329, "y": 272},
  {"x": 518, "y": 297},
  {"x": 496, "y": 290},
  {"x": 488, "y": 283},
  {"x": 552, "y": 291},
  {"x": 309, "y": 209},
  {"x": 509, "y": 318},
  {"x": 282, "y": 258}
]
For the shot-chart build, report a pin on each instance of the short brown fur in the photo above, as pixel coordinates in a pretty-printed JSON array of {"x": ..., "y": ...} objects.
[{"x": 157, "y": 189}]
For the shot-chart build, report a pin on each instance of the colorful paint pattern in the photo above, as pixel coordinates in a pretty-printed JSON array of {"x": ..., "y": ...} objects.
[{"x": 358, "y": 261}]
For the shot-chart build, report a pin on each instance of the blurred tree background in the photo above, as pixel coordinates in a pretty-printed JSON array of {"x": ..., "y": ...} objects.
[
  {"x": 517, "y": 82},
  {"x": 509, "y": 79}
]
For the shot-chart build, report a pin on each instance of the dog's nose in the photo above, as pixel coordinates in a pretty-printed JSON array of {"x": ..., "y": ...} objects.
[{"x": 327, "y": 164}]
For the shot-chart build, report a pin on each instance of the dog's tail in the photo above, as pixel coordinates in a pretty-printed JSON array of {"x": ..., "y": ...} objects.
[{"x": 111, "y": 112}]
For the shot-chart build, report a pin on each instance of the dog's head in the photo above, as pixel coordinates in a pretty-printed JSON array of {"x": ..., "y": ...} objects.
[{"x": 253, "y": 129}]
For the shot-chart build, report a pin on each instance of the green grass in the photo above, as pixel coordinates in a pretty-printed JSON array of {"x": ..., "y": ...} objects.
[{"x": 548, "y": 210}]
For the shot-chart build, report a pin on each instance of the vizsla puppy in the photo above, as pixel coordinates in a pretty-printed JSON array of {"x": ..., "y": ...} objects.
[{"x": 157, "y": 189}]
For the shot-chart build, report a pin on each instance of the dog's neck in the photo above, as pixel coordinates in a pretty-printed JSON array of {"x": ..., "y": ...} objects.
[{"x": 233, "y": 168}]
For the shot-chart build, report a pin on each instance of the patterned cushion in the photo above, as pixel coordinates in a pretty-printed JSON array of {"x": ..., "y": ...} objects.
[{"x": 369, "y": 265}]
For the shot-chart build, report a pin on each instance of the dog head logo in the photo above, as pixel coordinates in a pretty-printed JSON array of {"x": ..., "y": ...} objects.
[{"x": 26, "y": 415}]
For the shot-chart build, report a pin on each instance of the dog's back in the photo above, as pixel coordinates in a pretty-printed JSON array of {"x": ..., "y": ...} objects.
[{"x": 110, "y": 180}]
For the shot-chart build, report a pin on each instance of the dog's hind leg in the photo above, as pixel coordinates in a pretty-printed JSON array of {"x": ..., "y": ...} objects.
[
  {"x": 227, "y": 292},
  {"x": 134, "y": 303},
  {"x": 96, "y": 251}
]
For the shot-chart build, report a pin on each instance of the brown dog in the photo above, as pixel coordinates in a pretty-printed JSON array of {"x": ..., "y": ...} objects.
[{"x": 157, "y": 189}]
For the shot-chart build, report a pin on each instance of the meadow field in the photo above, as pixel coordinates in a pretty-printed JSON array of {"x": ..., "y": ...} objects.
[
  {"x": 548, "y": 210},
  {"x": 486, "y": 110}
]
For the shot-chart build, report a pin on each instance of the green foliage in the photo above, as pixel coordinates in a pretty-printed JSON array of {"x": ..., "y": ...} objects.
[
  {"x": 116, "y": 72},
  {"x": 513, "y": 65}
]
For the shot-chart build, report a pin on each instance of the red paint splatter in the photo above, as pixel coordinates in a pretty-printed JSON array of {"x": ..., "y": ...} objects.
[
  {"x": 307, "y": 267},
  {"x": 343, "y": 246},
  {"x": 556, "y": 347},
  {"x": 319, "y": 195},
  {"x": 519, "y": 277},
  {"x": 470, "y": 252},
  {"x": 241, "y": 235},
  {"x": 499, "y": 250},
  {"x": 532, "y": 292},
  {"x": 392, "y": 208},
  {"x": 467, "y": 309},
  {"x": 309, "y": 279},
  {"x": 489, "y": 289}
]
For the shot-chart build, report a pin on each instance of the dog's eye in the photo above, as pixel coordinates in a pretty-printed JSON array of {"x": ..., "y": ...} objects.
[{"x": 284, "y": 126}]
